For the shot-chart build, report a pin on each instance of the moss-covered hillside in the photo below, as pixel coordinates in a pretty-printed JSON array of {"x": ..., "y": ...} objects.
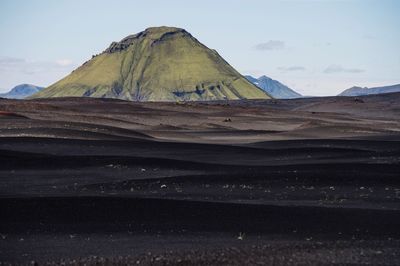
[{"x": 158, "y": 64}]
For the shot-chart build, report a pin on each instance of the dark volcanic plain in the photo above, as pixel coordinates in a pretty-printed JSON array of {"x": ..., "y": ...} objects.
[{"x": 280, "y": 182}]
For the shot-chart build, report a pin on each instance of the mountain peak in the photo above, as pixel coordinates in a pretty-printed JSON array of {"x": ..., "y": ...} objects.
[
  {"x": 358, "y": 91},
  {"x": 154, "y": 34},
  {"x": 21, "y": 91},
  {"x": 273, "y": 87},
  {"x": 264, "y": 77},
  {"x": 157, "y": 64},
  {"x": 163, "y": 30}
]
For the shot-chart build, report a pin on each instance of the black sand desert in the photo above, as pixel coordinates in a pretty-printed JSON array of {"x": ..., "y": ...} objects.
[{"x": 281, "y": 182}]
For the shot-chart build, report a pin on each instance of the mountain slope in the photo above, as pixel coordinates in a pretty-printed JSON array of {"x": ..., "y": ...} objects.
[
  {"x": 21, "y": 91},
  {"x": 357, "y": 91},
  {"x": 273, "y": 87},
  {"x": 158, "y": 64}
]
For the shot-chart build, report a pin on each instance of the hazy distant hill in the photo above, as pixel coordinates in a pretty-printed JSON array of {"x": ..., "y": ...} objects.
[
  {"x": 21, "y": 91},
  {"x": 274, "y": 87},
  {"x": 357, "y": 91},
  {"x": 158, "y": 64}
]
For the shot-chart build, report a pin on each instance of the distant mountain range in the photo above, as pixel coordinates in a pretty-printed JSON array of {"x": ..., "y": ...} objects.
[
  {"x": 21, "y": 91},
  {"x": 358, "y": 91},
  {"x": 274, "y": 87}
]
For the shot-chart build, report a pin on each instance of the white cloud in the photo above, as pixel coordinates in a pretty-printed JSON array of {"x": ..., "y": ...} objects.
[
  {"x": 339, "y": 69},
  {"x": 292, "y": 68},
  {"x": 14, "y": 71},
  {"x": 64, "y": 62},
  {"x": 6, "y": 60},
  {"x": 270, "y": 45},
  {"x": 12, "y": 64},
  {"x": 369, "y": 37}
]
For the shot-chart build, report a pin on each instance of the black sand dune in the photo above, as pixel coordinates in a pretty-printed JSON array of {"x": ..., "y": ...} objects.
[{"x": 304, "y": 181}]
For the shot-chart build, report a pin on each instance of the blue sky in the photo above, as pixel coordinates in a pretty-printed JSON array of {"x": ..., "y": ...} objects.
[{"x": 317, "y": 47}]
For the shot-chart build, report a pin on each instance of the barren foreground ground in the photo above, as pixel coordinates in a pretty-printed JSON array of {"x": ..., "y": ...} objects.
[{"x": 282, "y": 182}]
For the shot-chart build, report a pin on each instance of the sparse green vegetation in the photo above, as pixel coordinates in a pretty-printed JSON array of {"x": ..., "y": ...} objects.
[{"x": 159, "y": 64}]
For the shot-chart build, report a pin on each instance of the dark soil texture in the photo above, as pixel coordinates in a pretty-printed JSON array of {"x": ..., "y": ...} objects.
[{"x": 280, "y": 182}]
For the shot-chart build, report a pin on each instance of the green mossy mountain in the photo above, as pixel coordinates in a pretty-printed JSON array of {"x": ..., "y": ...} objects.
[{"x": 158, "y": 64}]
